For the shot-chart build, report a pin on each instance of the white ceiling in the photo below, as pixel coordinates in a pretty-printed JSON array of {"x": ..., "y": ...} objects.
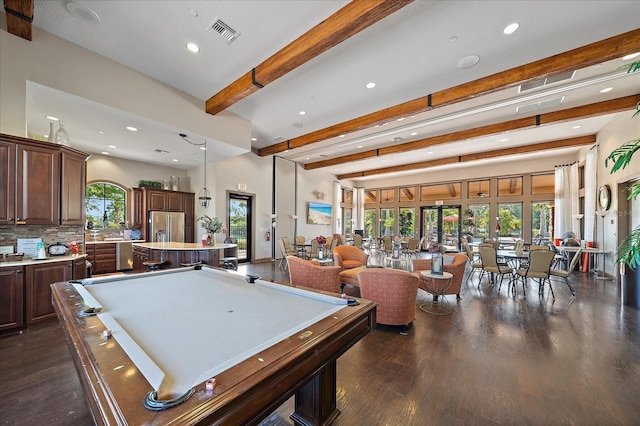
[{"x": 408, "y": 55}]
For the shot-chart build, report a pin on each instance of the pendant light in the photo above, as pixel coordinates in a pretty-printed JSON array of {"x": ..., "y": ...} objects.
[{"x": 203, "y": 196}]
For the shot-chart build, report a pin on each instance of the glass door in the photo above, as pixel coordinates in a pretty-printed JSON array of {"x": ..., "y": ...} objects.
[
  {"x": 441, "y": 226},
  {"x": 240, "y": 224}
]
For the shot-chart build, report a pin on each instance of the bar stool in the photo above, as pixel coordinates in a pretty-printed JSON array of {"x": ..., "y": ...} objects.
[{"x": 153, "y": 265}]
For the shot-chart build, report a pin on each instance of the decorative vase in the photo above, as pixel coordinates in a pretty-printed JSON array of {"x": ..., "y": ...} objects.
[
  {"x": 52, "y": 137},
  {"x": 62, "y": 137},
  {"x": 211, "y": 239}
]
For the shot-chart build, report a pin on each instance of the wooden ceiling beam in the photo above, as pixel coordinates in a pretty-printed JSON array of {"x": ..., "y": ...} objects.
[
  {"x": 591, "y": 110},
  {"x": 19, "y": 17},
  {"x": 594, "y": 53},
  {"x": 346, "y": 22},
  {"x": 526, "y": 149}
]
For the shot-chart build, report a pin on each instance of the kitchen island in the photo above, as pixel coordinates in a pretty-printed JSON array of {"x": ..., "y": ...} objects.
[{"x": 175, "y": 255}]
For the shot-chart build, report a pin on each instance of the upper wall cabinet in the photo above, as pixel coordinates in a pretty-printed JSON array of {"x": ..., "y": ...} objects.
[
  {"x": 149, "y": 199},
  {"x": 42, "y": 183}
]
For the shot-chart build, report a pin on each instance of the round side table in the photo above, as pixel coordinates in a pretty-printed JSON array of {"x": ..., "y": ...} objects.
[{"x": 437, "y": 285}]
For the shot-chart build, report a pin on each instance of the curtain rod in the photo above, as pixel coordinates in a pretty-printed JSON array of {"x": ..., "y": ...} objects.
[{"x": 565, "y": 165}]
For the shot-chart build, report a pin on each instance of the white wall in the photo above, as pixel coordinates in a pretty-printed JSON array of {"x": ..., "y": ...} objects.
[
  {"x": 56, "y": 63},
  {"x": 127, "y": 173}
]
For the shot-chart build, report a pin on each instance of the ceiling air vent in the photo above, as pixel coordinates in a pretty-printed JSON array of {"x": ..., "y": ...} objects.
[
  {"x": 224, "y": 30},
  {"x": 550, "y": 103},
  {"x": 534, "y": 84}
]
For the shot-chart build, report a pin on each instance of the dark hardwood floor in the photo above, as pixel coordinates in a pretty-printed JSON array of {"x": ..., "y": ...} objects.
[{"x": 496, "y": 360}]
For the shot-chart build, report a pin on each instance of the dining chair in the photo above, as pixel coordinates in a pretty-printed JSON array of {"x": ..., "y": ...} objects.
[
  {"x": 566, "y": 273},
  {"x": 490, "y": 265},
  {"x": 412, "y": 248},
  {"x": 357, "y": 240},
  {"x": 539, "y": 268},
  {"x": 560, "y": 258},
  {"x": 476, "y": 263},
  {"x": 285, "y": 252}
]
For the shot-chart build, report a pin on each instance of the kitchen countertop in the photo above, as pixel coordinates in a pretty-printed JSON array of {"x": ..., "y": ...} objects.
[
  {"x": 30, "y": 261},
  {"x": 183, "y": 246}
]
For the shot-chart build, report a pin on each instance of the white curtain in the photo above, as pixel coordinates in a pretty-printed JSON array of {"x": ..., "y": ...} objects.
[
  {"x": 590, "y": 184},
  {"x": 566, "y": 200},
  {"x": 337, "y": 210}
]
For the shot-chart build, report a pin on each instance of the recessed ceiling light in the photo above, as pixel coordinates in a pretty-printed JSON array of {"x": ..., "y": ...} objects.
[
  {"x": 400, "y": 119},
  {"x": 360, "y": 146},
  {"x": 341, "y": 136},
  {"x": 303, "y": 113},
  {"x": 83, "y": 13},
  {"x": 204, "y": 148},
  {"x": 429, "y": 152},
  {"x": 254, "y": 139},
  {"x": 104, "y": 153},
  {"x": 175, "y": 160},
  {"x": 631, "y": 56},
  {"x": 132, "y": 129},
  {"x": 511, "y": 28},
  {"x": 193, "y": 12},
  {"x": 414, "y": 133},
  {"x": 468, "y": 62},
  {"x": 577, "y": 127},
  {"x": 504, "y": 139},
  {"x": 606, "y": 89},
  {"x": 51, "y": 117},
  {"x": 453, "y": 39},
  {"x": 286, "y": 150},
  {"x": 371, "y": 85},
  {"x": 193, "y": 48},
  {"x": 307, "y": 158},
  {"x": 111, "y": 146},
  {"x": 100, "y": 132}
]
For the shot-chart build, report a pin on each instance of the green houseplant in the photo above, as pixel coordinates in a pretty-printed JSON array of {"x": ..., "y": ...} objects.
[{"x": 629, "y": 250}]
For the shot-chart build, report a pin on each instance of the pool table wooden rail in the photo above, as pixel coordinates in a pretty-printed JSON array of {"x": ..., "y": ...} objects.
[{"x": 304, "y": 365}]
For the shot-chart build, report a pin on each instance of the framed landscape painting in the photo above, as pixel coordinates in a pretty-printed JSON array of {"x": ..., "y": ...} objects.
[{"x": 319, "y": 214}]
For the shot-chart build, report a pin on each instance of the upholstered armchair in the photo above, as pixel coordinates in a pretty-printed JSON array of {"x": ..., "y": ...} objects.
[
  {"x": 456, "y": 266},
  {"x": 309, "y": 274},
  {"x": 348, "y": 257},
  {"x": 395, "y": 292}
]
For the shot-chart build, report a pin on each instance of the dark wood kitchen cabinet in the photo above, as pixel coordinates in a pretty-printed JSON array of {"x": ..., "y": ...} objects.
[
  {"x": 38, "y": 279},
  {"x": 45, "y": 183},
  {"x": 11, "y": 297},
  {"x": 25, "y": 290},
  {"x": 102, "y": 257},
  {"x": 146, "y": 200}
]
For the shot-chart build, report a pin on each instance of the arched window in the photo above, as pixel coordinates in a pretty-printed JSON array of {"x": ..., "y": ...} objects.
[{"x": 106, "y": 205}]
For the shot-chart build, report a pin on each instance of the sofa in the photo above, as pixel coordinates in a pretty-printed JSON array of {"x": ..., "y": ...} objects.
[{"x": 455, "y": 264}]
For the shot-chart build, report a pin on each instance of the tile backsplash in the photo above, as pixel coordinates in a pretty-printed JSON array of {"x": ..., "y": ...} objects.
[{"x": 9, "y": 234}]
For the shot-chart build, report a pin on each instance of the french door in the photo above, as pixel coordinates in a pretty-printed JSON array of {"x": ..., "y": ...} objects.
[{"x": 441, "y": 225}]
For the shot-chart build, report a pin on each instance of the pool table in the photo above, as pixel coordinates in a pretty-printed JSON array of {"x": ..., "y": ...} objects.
[{"x": 148, "y": 346}]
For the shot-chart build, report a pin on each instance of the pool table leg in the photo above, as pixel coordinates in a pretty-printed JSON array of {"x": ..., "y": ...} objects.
[{"x": 316, "y": 401}]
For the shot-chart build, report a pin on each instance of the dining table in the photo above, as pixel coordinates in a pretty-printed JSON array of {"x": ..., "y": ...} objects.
[{"x": 512, "y": 258}]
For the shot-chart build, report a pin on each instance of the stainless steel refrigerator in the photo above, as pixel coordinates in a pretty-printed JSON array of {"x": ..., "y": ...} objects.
[{"x": 167, "y": 225}]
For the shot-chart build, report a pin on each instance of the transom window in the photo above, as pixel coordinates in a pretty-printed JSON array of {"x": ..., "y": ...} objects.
[{"x": 105, "y": 205}]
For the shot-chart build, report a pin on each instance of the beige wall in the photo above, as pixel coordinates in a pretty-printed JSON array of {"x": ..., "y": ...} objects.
[{"x": 622, "y": 128}]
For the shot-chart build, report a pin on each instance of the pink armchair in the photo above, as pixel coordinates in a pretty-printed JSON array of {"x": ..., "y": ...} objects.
[
  {"x": 395, "y": 292},
  {"x": 348, "y": 257},
  {"x": 309, "y": 274},
  {"x": 456, "y": 267}
]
